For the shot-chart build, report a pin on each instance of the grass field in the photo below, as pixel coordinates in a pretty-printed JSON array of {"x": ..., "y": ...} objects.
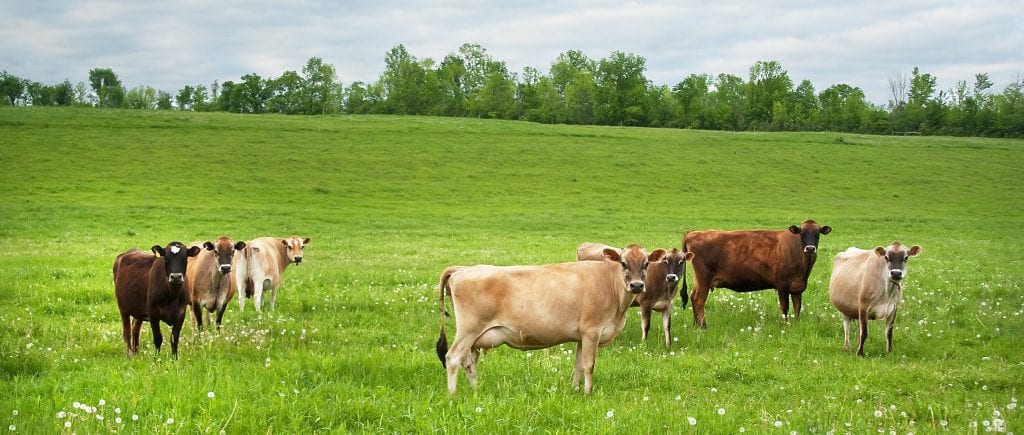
[{"x": 390, "y": 201}]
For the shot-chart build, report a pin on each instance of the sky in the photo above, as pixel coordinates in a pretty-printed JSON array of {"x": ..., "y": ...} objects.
[{"x": 170, "y": 44}]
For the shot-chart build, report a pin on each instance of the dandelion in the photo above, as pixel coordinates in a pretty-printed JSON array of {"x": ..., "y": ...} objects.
[
  {"x": 102, "y": 402},
  {"x": 169, "y": 421},
  {"x": 67, "y": 424},
  {"x": 61, "y": 414},
  {"x": 29, "y": 346},
  {"x": 135, "y": 417},
  {"x": 479, "y": 410},
  {"x": 609, "y": 414},
  {"x": 778, "y": 423},
  {"x": 117, "y": 420},
  {"x": 878, "y": 413},
  {"x": 714, "y": 390},
  {"x": 646, "y": 398},
  {"x": 943, "y": 423},
  {"x": 742, "y": 429},
  {"x": 76, "y": 405},
  {"x": 693, "y": 421},
  {"x": 12, "y": 428},
  {"x": 99, "y": 417},
  {"x": 721, "y": 411},
  {"x": 678, "y": 397},
  {"x": 117, "y": 410},
  {"x": 210, "y": 395}
]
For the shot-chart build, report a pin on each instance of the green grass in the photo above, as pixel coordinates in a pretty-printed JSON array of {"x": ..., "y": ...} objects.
[{"x": 390, "y": 201}]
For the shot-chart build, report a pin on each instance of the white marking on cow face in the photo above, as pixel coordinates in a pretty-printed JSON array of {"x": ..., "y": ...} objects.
[
  {"x": 293, "y": 246},
  {"x": 175, "y": 249}
]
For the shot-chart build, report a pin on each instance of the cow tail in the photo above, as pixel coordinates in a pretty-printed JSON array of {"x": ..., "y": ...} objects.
[
  {"x": 249, "y": 288},
  {"x": 442, "y": 341},
  {"x": 684, "y": 295}
]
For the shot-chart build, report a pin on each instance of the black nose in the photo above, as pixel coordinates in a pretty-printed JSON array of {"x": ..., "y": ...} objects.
[
  {"x": 176, "y": 277},
  {"x": 810, "y": 248},
  {"x": 298, "y": 259},
  {"x": 672, "y": 277},
  {"x": 896, "y": 274},
  {"x": 636, "y": 286},
  {"x": 225, "y": 268}
]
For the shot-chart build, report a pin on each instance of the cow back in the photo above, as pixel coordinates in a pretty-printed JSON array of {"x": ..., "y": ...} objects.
[
  {"x": 858, "y": 276},
  {"x": 747, "y": 260}
]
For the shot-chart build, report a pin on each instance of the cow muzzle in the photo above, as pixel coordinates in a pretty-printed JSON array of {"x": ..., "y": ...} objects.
[
  {"x": 810, "y": 249},
  {"x": 896, "y": 274},
  {"x": 225, "y": 268},
  {"x": 672, "y": 278},
  {"x": 636, "y": 287},
  {"x": 176, "y": 278},
  {"x": 297, "y": 259}
]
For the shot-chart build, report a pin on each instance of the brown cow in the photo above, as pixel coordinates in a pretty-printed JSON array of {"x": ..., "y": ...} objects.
[
  {"x": 753, "y": 260},
  {"x": 206, "y": 278},
  {"x": 152, "y": 288},
  {"x": 262, "y": 265},
  {"x": 534, "y": 307},
  {"x": 867, "y": 285},
  {"x": 660, "y": 285},
  {"x": 660, "y": 291}
]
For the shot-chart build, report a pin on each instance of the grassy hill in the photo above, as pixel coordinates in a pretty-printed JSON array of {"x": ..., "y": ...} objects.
[{"x": 390, "y": 201}]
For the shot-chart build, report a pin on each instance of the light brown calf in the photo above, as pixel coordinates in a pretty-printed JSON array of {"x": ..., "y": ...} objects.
[
  {"x": 660, "y": 291},
  {"x": 262, "y": 265},
  {"x": 207, "y": 280}
]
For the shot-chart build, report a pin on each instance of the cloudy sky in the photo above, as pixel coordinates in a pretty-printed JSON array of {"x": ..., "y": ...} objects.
[{"x": 168, "y": 44}]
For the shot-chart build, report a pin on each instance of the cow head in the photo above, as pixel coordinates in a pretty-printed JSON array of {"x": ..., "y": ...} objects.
[
  {"x": 634, "y": 263},
  {"x": 675, "y": 265},
  {"x": 809, "y": 233},
  {"x": 896, "y": 256},
  {"x": 224, "y": 250},
  {"x": 175, "y": 257},
  {"x": 293, "y": 247}
]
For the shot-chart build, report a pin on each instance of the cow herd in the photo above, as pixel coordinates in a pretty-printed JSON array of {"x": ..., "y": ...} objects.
[
  {"x": 160, "y": 287},
  {"x": 532, "y": 307},
  {"x": 586, "y": 301}
]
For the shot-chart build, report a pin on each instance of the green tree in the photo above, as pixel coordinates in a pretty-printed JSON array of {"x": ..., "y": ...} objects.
[
  {"x": 107, "y": 87},
  {"x": 692, "y": 94},
  {"x": 163, "y": 100},
  {"x": 64, "y": 93},
  {"x": 621, "y": 89},
  {"x": 769, "y": 84},
  {"x": 573, "y": 76},
  {"x": 806, "y": 107},
  {"x": 451, "y": 92},
  {"x": 407, "y": 88},
  {"x": 726, "y": 104},
  {"x": 323, "y": 90},
  {"x": 286, "y": 94},
  {"x": 184, "y": 99},
  {"x": 39, "y": 94},
  {"x": 12, "y": 87},
  {"x": 843, "y": 108}
]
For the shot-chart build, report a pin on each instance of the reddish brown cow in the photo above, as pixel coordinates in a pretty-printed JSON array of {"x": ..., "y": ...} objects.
[
  {"x": 753, "y": 260},
  {"x": 207, "y": 278},
  {"x": 152, "y": 288},
  {"x": 533, "y": 307}
]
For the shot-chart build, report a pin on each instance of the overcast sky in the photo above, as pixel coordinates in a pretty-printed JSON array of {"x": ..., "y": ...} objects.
[{"x": 168, "y": 44}]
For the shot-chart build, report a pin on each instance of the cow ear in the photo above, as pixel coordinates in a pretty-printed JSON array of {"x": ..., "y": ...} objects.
[
  {"x": 880, "y": 251},
  {"x": 688, "y": 256},
  {"x": 794, "y": 229},
  {"x": 239, "y": 246},
  {"x": 914, "y": 250},
  {"x": 158, "y": 250},
  {"x": 306, "y": 241},
  {"x": 284, "y": 242},
  {"x": 612, "y": 254},
  {"x": 193, "y": 251},
  {"x": 208, "y": 246},
  {"x": 826, "y": 229},
  {"x": 656, "y": 255}
]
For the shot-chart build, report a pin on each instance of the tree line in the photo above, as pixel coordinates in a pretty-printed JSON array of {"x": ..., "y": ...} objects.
[{"x": 575, "y": 90}]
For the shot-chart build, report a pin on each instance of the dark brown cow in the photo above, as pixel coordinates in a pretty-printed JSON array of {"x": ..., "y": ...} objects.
[
  {"x": 152, "y": 288},
  {"x": 533, "y": 307},
  {"x": 753, "y": 260},
  {"x": 660, "y": 290},
  {"x": 208, "y": 280}
]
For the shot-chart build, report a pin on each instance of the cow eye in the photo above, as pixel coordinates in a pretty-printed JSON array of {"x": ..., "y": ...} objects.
[{"x": 624, "y": 266}]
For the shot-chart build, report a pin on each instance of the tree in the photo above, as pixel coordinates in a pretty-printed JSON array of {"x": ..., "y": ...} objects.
[
  {"x": 107, "y": 87},
  {"x": 769, "y": 84},
  {"x": 405, "y": 83},
  {"x": 572, "y": 75},
  {"x": 185, "y": 98},
  {"x": 805, "y": 107},
  {"x": 726, "y": 103},
  {"x": 63, "y": 93},
  {"x": 692, "y": 93},
  {"x": 39, "y": 94},
  {"x": 451, "y": 92},
  {"x": 621, "y": 88},
  {"x": 12, "y": 87},
  {"x": 286, "y": 94},
  {"x": 323, "y": 91},
  {"x": 163, "y": 100},
  {"x": 843, "y": 108}
]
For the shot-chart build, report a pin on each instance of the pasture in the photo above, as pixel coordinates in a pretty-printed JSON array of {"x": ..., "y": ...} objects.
[{"x": 390, "y": 201}]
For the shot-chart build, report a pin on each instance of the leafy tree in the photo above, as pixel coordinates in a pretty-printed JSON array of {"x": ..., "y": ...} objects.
[
  {"x": 621, "y": 88},
  {"x": 163, "y": 100},
  {"x": 769, "y": 84},
  {"x": 692, "y": 93},
  {"x": 63, "y": 93},
  {"x": 843, "y": 108},
  {"x": 805, "y": 107},
  {"x": 39, "y": 94},
  {"x": 286, "y": 94},
  {"x": 573, "y": 76},
  {"x": 199, "y": 99},
  {"x": 405, "y": 83},
  {"x": 185, "y": 98},
  {"x": 726, "y": 103},
  {"x": 662, "y": 108},
  {"x": 362, "y": 98},
  {"x": 322, "y": 87},
  {"x": 451, "y": 92},
  {"x": 107, "y": 87},
  {"x": 12, "y": 87}
]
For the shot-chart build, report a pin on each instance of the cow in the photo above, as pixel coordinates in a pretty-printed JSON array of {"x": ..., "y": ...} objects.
[
  {"x": 207, "y": 277},
  {"x": 753, "y": 260},
  {"x": 868, "y": 285},
  {"x": 152, "y": 288},
  {"x": 263, "y": 265},
  {"x": 660, "y": 290},
  {"x": 659, "y": 285},
  {"x": 534, "y": 307}
]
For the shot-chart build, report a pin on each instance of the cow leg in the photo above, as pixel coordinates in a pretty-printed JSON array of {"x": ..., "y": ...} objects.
[
  {"x": 889, "y": 323},
  {"x": 257, "y": 294},
  {"x": 863, "y": 318},
  {"x": 273, "y": 294},
  {"x": 458, "y": 356},
  {"x": 136, "y": 331},
  {"x": 220, "y": 313},
  {"x": 666, "y": 325},
  {"x": 798, "y": 300},
  {"x": 645, "y": 320},
  {"x": 698, "y": 298},
  {"x": 158, "y": 338},
  {"x": 197, "y": 312},
  {"x": 587, "y": 356},
  {"x": 470, "y": 367},
  {"x": 175, "y": 332},
  {"x": 846, "y": 333},
  {"x": 576, "y": 367},
  {"x": 784, "y": 303},
  {"x": 126, "y": 332}
]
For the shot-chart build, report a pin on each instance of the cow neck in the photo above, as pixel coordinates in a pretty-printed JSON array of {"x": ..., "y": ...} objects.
[
  {"x": 809, "y": 258},
  {"x": 282, "y": 259},
  {"x": 893, "y": 287}
]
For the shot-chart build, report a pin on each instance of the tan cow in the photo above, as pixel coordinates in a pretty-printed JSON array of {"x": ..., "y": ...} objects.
[
  {"x": 206, "y": 277},
  {"x": 660, "y": 291},
  {"x": 660, "y": 285},
  {"x": 263, "y": 265},
  {"x": 534, "y": 307},
  {"x": 867, "y": 285}
]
